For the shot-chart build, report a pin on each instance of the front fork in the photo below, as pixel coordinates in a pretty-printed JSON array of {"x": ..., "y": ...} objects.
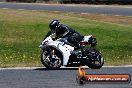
[{"x": 53, "y": 53}]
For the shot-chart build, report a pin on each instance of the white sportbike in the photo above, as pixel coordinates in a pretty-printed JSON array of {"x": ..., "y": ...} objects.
[{"x": 58, "y": 52}]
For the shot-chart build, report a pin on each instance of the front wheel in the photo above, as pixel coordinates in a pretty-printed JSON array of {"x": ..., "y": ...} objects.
[
  {"x": 94, "y": 58},
  {"x": 50, "y": 59}
]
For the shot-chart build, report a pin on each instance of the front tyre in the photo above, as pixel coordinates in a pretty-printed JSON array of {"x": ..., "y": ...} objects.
[
  {"x": 94, "y": 58},
  {"x": 50, "y": 61}
]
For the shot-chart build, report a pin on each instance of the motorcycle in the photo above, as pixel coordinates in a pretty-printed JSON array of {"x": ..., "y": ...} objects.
[{"x": 58, "y": 52}]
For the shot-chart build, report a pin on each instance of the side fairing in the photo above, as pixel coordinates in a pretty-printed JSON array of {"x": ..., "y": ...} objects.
[{"x": 64, "y": 49}]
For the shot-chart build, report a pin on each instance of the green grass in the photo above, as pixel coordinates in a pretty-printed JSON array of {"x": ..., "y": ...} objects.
[{"x": 21, "y": 32}]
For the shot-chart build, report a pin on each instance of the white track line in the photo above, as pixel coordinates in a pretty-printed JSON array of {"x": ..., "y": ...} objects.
[
  {"x": 20, "y": 68},
  {"x": 34, "y": 10},
  {"x": 10, "y": 68},
  {"x": 4, "y": 8},
  {"x": 84, "y": 13}
]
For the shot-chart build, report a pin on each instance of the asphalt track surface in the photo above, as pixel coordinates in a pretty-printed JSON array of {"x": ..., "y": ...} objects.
[
  {"x": 63, "y": 78},
  {"x": 115, "y": 10}
]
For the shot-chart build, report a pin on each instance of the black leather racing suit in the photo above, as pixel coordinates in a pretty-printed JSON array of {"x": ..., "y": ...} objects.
[{"x": 74, "y": 37}]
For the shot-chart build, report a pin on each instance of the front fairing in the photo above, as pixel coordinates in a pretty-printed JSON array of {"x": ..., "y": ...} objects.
[{"x": 59, "y": 45}]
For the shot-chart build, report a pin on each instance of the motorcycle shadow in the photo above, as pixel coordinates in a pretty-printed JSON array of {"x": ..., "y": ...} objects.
[{"x": 62, "y": 68}]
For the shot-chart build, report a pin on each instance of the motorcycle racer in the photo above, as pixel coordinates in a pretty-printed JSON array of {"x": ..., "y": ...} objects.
[
  {"x": 63, "y": 31},
  {"x": 68, "y": 48}
]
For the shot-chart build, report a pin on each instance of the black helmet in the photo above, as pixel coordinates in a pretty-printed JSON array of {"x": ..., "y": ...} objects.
[{"x": 53, "y": 24}]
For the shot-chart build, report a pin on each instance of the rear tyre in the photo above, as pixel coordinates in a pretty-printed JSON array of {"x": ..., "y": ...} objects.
[
  {"x": 94, "y": 58},
  {"x": 48, "y": 61}
]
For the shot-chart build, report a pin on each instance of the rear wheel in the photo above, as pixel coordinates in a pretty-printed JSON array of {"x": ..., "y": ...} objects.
[
  {"x": 94, "y": 58},
  {"x": 50, "y": 58}
]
